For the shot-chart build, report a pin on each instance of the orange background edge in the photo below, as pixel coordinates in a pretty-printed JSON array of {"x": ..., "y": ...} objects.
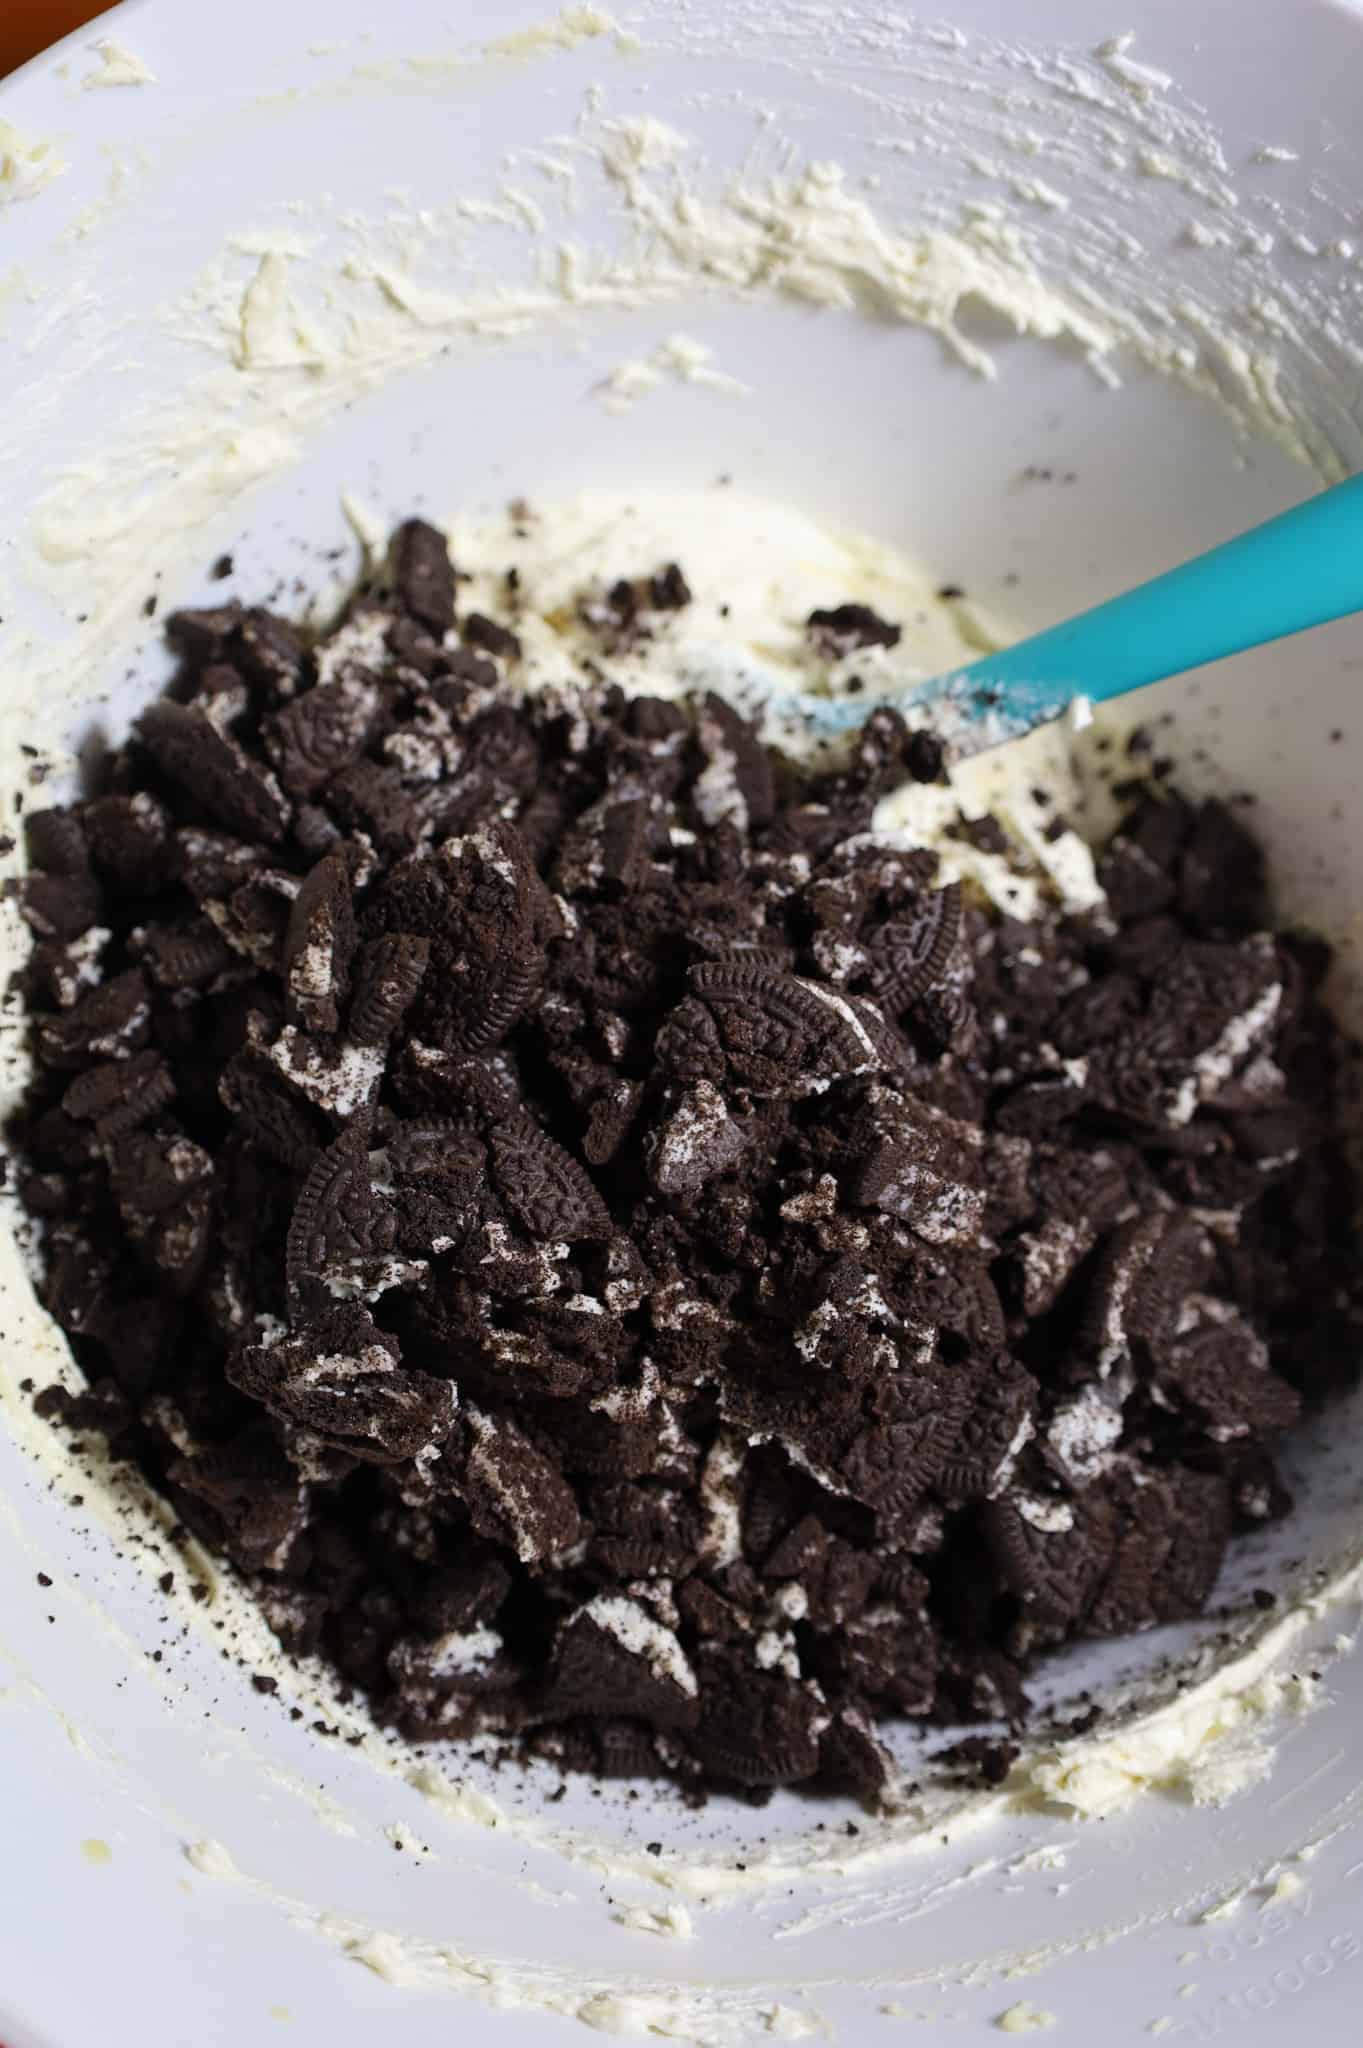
[{"x": 27, "y": 26}]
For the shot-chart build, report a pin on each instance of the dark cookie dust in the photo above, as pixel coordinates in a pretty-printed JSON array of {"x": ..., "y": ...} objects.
[{"x": 618, "y": 1257}]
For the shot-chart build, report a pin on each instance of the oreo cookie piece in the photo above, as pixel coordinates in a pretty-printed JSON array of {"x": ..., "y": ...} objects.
[
  {"x": 249, "y": 1494},
  {"x": 848, "y": 628},
  {"x": 120, "y": 1095},
  {"x": 372, "y": 800},
  {"x": 271, "y": 652},
  {"x": 543, "y": 1185},
  {"x": 388, "y": 974},
  {"x": 913, "y": 1162},
  {"x": 610, "y": 1118},
  {"x": 60, "y": 907},
  {"x": 341, "y": 1378},
  {"x": 112, "y": 1022},
  {"x": 891, "y": 1464},
  {"x": 184, "y": 956},
  {"x": 212, "y": 865},
  {"x": 911, "y": 955},
  {"x": 515, "y": 1495},
  {"x": 1211, "y": 1009},
  {"x": 1043, "y": 1261},
  {"x": 272, "y": 1119},
  {"x": 852, "y": 1759},
  {"x": 1144, "y": 1275},
  {"x": 1215, "y": 1372},
  {"x": 176, "y": 1242},
  {"x": 489, "y": 635},
  {"x": 129, "y": 840},
  {"x": 1139, "y": 868},
  {"x": 997, "y": 1422},
  {"x": 1052, "y": 1553},
  {"x": 196, "y": 756},
  {"x": 480, "y": 905},
  {"x": 697, "y": 1141},
  {"x": 319, "y": 735},
  {"x": 614, "y": 1657},
  {"x": 1170, "y": 1535},
  {"x": 736, "y": 784},
  {"x": 886, "y": 1659},
  {"x": 1221, "y": 876},
  {"x": 57, "y": 843},
  {"x": 423, "y": 575},
  {"x": 318, "y": 944},
  {"x": 774, "y": 1033},
  {"x": 668, "y": 589},
  {"x": 642, "y": 1530},
  {"x": 338, "y": 1228},
  {"x": 456, "y": 1599},
  {"x": 757, "y": 1728},
  {"x": 152, "y": 1171}
]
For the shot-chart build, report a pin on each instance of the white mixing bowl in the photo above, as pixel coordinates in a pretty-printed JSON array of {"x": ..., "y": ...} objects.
[{"x": 319, "y": 251}]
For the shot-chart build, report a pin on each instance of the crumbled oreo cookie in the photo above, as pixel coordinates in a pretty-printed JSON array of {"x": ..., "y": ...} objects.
[
  {"x": 849, "y": 627},
  {"x": 424, "y": 575},
  {"x": 620, "y": 1256}
]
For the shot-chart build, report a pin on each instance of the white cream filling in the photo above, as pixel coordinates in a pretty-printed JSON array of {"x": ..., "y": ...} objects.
[{"x": 342, "y": 1083}]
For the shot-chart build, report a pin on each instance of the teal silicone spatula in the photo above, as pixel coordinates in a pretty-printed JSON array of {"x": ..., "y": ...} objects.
[{"x": 1301, "y": 569}]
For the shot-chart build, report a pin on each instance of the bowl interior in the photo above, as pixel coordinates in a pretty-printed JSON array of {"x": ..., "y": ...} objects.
[{"x": 430, "y": 361}]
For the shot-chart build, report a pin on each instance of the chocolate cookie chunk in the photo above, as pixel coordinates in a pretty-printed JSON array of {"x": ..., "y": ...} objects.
[
  {"x": 1215, "y": 1372},
  {"x": 515, "y": 1495},
  {"x": 1170, "y": 1535},
  {"x": 338, "y": 1225},
  {"x": 757, "y": 1727},
  {"x": 388, "y": 974},
  {"x": 1146, "y": 1273},
  {"x": 915, "y": 1163},
  {"x": 111, "y": 1023},
  {"x": 736, "y": 783},
  {"x": 318, "y": 944},
  {"x": 848, "y": 627},
  {"x": 319, "y": 735},
  {"x": 120, "y": 1095},
  {"x": 614, "y": 1657},
  {"x": 196, "y": 756},
  {"x": 890, "y": 1465},
  {"x": 341, "y": 1378},
  {"x": 423, "y": 575},
  {"x": 254, "y": 1502},
  {"x": 544, "y": 1186},
  {"x": 773, "y": 1033},
  {"x": 129, "y": 840},
  {"x": 1053, "y": 1554},
  {"x": 698, "y": 1140},
  {"x": 481, "y": 907},
  {"x": 912, "y": 954}
]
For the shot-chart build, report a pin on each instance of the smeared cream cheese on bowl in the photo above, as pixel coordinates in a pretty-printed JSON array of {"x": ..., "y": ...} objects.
[{"x": 295, "y": 319}]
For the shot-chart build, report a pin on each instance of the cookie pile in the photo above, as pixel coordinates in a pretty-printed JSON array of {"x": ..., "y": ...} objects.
[{"x": 618, "y": 1255}]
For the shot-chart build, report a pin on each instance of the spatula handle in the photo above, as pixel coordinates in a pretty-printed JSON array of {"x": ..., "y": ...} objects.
[{"x": 1298, "y": 570}]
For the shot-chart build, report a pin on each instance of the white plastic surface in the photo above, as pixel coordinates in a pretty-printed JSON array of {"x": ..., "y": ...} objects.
[{"x": 872, "y": 425}]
